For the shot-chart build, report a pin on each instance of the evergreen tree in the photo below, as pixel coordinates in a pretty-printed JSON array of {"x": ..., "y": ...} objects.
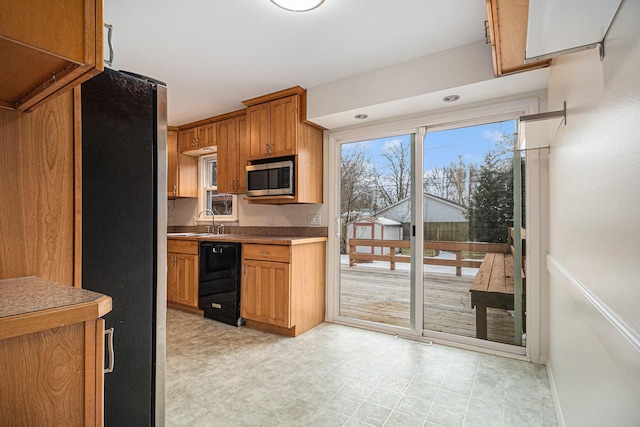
[{"x": 491, "y": 210}]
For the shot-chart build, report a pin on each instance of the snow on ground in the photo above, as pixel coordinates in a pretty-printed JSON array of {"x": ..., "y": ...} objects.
[{"x": 344, "y": 260}]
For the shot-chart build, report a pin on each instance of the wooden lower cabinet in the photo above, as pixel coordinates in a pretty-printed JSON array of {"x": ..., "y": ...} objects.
[
  {"x": 51, "y": 354},
  {"x": 266, "y": 294},
  {"x": 53, "y": 377},
  {"x": 182, "y": 275},
  {"x": 283, "y": 287}
]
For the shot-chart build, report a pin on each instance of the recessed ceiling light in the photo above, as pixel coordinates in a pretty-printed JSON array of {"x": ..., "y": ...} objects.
[
  {"x": 208, "y": 149},
  {"x": 451, "y": 98},
  {"x": 297, "y": 5},
  {"x": 360, "y": 116}
]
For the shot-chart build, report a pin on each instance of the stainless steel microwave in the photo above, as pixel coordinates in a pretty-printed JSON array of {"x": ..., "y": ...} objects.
[{"x": 270, "y": 179}]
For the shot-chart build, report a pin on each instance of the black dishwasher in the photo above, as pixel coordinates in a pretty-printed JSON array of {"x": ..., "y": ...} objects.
[{"x": 219, "y": 282}]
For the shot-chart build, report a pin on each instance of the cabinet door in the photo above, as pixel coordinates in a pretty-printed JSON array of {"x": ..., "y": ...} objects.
[
  {"x": 242, "y": 148},
  {"x": 187, "y": 176},
  {"x": 266, "y": 293},
  {"x": 187, "y": 139},
  {"x": 53, "y": 377},
  {"x": 187, "y": 286},
  {"x": 232, "y": 159},
  {"x": 206, "y": 135},
  {"x": 227, "y": 155},
  {"x": 172, "y": 277},
  {"x": 258, "y": 121},
  {"x": 284, "y": 126},
  {"x": 172, "y": 164}
]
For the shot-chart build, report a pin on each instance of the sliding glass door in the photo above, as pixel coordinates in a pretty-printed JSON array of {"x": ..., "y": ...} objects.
[
  {"x": 469, "y": 210},
  {"x": 375, "y": 220},
  {"x": 427, "y": 233}
]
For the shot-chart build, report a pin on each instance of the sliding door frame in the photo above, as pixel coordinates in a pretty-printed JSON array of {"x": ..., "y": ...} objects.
[{"x": 537, "y": 195}]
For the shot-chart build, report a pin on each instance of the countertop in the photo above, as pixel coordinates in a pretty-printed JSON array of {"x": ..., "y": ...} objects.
[
  {"x": 248, "y": 238},
  {"x": 31, "y": 304}
]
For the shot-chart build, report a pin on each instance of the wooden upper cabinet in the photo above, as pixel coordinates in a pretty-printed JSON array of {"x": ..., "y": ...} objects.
[
  {"x": 172, "y": 163},
  {"x": 259, "y": 130},
  {"x": 232, "y": 159},
  {"x": 195, "y": 141},
  {"x": 277, "y": 127},
  {"x": 507, "y": 24},
  {"x": 273, "y": 128},
  {"x": 276, "y": 124},
  {"x": 47, "y": 47},
  {"x": 284, "y": 126},
  {"x": 182, "y": 171}
]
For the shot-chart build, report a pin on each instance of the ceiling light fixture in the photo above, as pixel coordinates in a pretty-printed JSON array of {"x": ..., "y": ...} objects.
[
  {"x": 360, "y": 116},
  {"x": 451, "y": 98},
  {"x": 297, "y": 5}
]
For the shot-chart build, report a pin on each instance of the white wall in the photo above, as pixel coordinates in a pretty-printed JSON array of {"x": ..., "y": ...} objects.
[{"x": 594, "y": 254}]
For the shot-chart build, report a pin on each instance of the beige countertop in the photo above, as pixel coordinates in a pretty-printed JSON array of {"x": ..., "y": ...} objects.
[
  {"x": 31, "y": 304},
  {"x": 248, "y": 238}
]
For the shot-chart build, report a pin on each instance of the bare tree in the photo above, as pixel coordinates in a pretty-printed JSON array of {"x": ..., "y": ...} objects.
[
  {"x": 394, "y": 180},
  {"x": 453, "y": 182},
  {"x": 356, "y": 185}
]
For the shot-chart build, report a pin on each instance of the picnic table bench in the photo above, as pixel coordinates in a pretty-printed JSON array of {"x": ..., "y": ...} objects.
[{"x": 493, "y": 286}]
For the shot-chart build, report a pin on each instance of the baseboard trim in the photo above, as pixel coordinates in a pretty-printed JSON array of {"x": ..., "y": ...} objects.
[{"x": 554, "y": 396}]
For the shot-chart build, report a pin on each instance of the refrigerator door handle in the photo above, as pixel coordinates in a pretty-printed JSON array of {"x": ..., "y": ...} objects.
[{"x": 109, "y": 333}]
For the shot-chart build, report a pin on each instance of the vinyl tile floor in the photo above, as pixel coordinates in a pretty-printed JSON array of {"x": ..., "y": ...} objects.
[{"x": 333, "y": 375}]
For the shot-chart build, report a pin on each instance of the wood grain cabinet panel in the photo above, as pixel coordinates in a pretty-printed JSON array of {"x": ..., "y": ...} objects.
[
  {"x": 265, "y": 293},
  {"x": 183, "y": 275},
  {"x": 182, "y": 170},
  {"x": 53, "y": 377},
  {"x": 47, "y": 48},
  {"x": 283, "y": 287},
  {"x": 232, "y": 158},
  {"x": 195, "y": 140},
  {"x": 507, "y": 25}
]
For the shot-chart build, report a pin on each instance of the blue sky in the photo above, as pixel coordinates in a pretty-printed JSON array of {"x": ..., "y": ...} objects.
[{"x": 443, "y": 147}]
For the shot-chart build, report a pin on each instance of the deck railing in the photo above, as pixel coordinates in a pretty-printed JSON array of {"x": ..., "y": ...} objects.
[{"x": 393, "y": 245}]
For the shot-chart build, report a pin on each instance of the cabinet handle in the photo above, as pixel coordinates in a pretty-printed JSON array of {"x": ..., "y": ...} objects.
[
  {"x": 264, "y": 252},
  {"x": 175, "y": 189},
  {"x": 109, "y": 333},
  {"x": 109, "y": 28}
]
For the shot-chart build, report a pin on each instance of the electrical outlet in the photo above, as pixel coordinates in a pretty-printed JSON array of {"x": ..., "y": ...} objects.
[
  {"x": 313, "y": 219},
  {"x": 271, "y": 220}
]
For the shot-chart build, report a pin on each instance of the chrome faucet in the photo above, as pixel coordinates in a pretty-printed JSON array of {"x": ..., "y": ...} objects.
[{"x": 213, "y": 220}]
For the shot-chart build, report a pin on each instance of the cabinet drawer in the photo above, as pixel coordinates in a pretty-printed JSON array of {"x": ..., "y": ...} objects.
[
  {"x": 278, "y": 253},
  {"x": 182, "y": 246}
]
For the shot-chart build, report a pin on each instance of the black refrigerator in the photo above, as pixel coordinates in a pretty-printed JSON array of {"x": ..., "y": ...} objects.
[{"x": 124, "y": 218}]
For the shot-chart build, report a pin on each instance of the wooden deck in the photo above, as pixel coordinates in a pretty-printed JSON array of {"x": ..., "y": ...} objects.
[{"x": 381, "y": 295}]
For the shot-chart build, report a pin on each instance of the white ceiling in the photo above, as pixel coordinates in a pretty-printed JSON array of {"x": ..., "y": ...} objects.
[{"x": 215, "y": 53}]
